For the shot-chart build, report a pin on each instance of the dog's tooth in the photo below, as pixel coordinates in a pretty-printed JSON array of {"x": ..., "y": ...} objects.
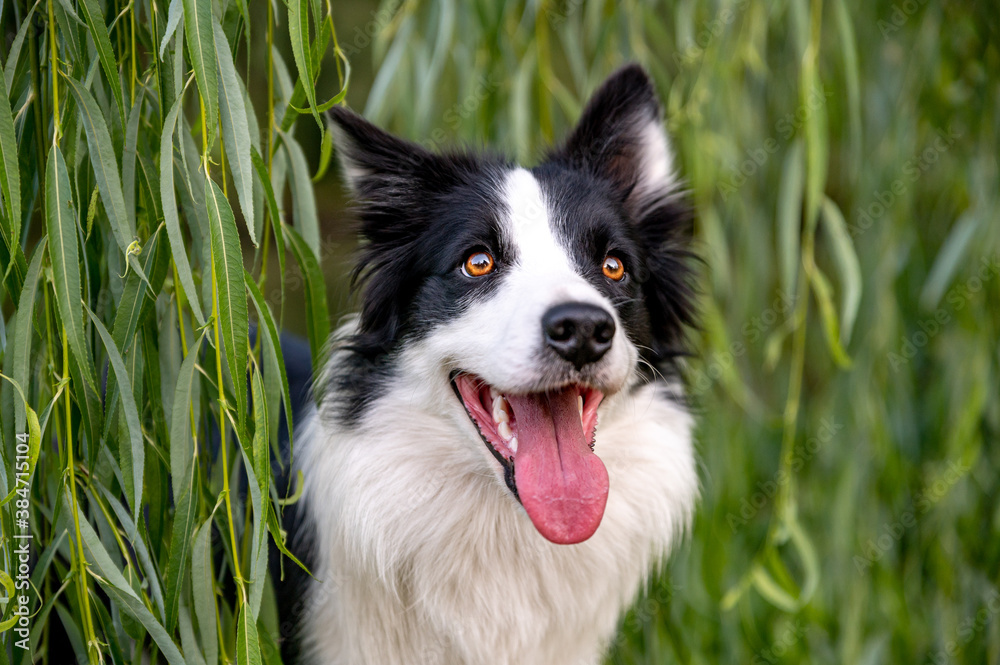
[
  {"x": 493, "y": 393},
  {"x": 504, "y": 431},
  {"x": 500, "y": 414},
  {"x": 513, "y": 445},
  {"x": 579, "y": 404}
]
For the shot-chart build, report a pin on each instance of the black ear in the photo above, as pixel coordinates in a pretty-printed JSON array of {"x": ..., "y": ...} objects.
[
  {"x": 378, "y": 166},
  {"x": 620, "y": 139}
]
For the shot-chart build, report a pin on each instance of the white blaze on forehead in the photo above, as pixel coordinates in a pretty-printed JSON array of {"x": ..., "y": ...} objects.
[{"x": 530, "y": 227}]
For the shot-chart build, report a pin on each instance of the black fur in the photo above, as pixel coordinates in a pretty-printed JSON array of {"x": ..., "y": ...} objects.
[
  {"x": 422, "y": 213},
  {"x": 592, "y": 178}
]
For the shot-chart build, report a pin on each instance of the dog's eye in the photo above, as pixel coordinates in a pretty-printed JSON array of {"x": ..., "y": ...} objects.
[
  {"x": 478, "y": 264},
  {"x": 613, "y": 268}
]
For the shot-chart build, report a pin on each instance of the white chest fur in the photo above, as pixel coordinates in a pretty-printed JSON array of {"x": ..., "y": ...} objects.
[{"x": 426, "y": 557}]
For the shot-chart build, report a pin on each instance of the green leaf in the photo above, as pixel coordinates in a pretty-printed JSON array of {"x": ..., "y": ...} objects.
[
  {"x": 200, "y": 40},
  {"x": 846, "y": 260},
  {"x": 94, "y": 17},
  {"x": 203, "y": 588},
  {"x": 168, "y": 195},
  {"x": 272, "y": 207},
  {"x": 298, "y": 33},
  {"x": 131, "y": 412},
  {"x": 183, "y": 457},
  {"x": 10, "y": 175},
  {"x": 137, "y": 543},
  {"x": 257, "y": 460},
  {"x": 128, "y": 156},
  {"x": 228, "y": 265},
  {"x": 13, "y": 55},
  {"x": 264, "y": 316},
  {"x": 831, "y": 327},
  {"x": 950, "y": 259},
  {"x": 317, "y": 312},
  {"x": 235, "y": 129},
  {"x": 102, "y": 158},
  {"x": 173, "y": 19},
  {"x": 137, "y": 296},
  {"x": 120, "y": 591},
  {"x": 790, "y": 216},
  {"x": 34, "y": 437},
  {"x": 303, "y": 199},
  {"x": 188, "y": 641},
  {"x": 22, "y": 328},
  {"x": 247, "y": 645},
  {"x": 60, "y": 224}
]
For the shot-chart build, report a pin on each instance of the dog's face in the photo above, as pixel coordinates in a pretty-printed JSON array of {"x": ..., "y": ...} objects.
[{"x": 537, "y": 292}]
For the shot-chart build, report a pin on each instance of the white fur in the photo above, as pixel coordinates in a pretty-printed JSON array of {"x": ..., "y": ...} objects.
[
  {"x": 425, "y": 555},
  {"x": 657, "y": 177}
]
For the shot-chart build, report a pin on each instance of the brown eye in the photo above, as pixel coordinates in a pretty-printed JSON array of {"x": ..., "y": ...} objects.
[
  {"x": 478, "y": 264},
  {"x": 613, "y": 268}
]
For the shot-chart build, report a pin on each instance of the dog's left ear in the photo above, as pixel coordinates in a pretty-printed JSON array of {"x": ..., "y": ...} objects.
[{"x": 620, "y": 139}]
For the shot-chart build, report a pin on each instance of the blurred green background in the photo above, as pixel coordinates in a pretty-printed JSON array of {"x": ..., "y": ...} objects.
[{"x": 842, "y": 158}]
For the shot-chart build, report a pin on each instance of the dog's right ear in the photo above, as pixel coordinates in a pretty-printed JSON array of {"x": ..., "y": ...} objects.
[{"x": 379, "y": 167}]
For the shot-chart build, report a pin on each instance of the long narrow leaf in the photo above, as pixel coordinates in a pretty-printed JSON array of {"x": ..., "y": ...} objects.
[
  {"x": 235, "y": 129},
  {"x": 129, "y": 407},
  {"x": 232, "y": 297},
  {"x": 60, "y": 224},
  {"x": 94, "y": 17},
  {"x": 102, "y": 158},
  {"x": 200, "y": 40}
]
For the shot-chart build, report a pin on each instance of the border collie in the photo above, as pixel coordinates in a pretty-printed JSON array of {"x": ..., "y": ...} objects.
[{"x": 501, "y": 453}]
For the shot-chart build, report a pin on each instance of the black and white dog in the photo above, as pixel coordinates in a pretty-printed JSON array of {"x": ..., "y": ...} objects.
[{"x": 501, "y": 451}]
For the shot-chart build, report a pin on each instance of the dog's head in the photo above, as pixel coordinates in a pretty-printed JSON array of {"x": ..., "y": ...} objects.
[{"x": 538, "y": 292}]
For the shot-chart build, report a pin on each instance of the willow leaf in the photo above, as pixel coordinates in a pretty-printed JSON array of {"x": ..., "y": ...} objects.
[
  {"x": 182, "y": 460},
  {"x": 131, "y": 412},
  {"x": 228, "y": 265},
  {"x": 303, "y": 197},
  {"x": 247, "y": 644},
  {"x": 169, "y": 200},
  {"x": 60, "y": 224},
  {"x": 102, "y": 158},
  {"x": 235, "y": 129},
  {"x": 10, "y": 176},
  {"x": 317, "y": 313},
  {"x": 22, "y": 328},
  {"x": 94, "y": 17},
  {"x": 200, "y": 40},
  {"x": 298, "y": 33},
  {"x": 121, "y": 592},
  {"x": 203, "y": 587},
  {"x": 264, "y": 317}
]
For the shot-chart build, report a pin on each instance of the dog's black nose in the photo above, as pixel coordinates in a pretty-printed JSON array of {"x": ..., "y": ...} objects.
[{"x": 579, "y": 332}]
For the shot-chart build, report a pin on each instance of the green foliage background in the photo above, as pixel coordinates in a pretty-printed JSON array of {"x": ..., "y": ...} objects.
[{"x": 842, "y": 159}]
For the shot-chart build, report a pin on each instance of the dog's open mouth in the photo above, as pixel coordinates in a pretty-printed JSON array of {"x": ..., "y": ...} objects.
[{"x": 545, "y": 442}]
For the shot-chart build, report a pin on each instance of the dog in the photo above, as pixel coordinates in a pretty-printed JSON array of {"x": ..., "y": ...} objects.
[{"x": 500, "y": 451}]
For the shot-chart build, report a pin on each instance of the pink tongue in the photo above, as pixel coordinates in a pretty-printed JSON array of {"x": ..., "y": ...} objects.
[{"x": 562, "y": 484}]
